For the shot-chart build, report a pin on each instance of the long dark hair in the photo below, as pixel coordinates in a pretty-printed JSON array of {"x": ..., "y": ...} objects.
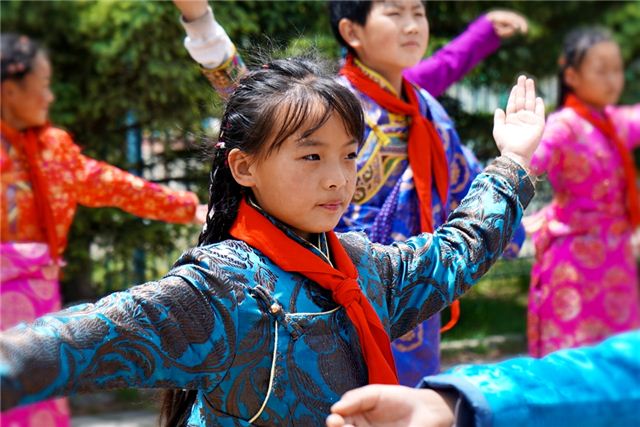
[
  {"x": 268, "y": 106},
  {"x": 17, "y": 55},
  {"x": 574, "y": 48}
]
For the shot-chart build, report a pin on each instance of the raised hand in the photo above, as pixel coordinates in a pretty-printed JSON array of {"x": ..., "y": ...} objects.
[
  {"x": 506, "y": 23},
  {"x": 391, "y": 406},
  {"x": 191, "y": 9},
  {"x": 518, "y": 130}
]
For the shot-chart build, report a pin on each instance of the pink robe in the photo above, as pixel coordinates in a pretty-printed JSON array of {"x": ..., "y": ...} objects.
[
  {"x": 28, "y": 290},
  {"x": 584, "y": 284}
]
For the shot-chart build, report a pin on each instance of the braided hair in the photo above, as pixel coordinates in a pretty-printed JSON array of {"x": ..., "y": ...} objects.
[
  {"x": 574, "y": 49},
  {"x": 269, "y": 105}
]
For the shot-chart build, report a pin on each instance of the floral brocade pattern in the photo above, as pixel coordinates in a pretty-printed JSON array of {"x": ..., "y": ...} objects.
[
  {"x": 29, "y": 289},
  {"x": 76, "y": 179},
  {"x": 585, "y": 280},
  {"x": 228, "y": 322}
]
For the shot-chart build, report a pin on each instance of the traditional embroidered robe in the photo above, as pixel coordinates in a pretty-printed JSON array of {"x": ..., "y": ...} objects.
[
  {"x": 584, "y": 283},
  {"x": 261, "y": 345}
]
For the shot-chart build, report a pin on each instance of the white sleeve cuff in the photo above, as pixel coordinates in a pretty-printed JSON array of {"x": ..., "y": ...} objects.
[{"x": 206, "y": 41}]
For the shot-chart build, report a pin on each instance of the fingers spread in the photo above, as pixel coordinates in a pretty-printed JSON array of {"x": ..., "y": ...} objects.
[
  {"x": 511, "y": 103},
  {"x": 539, "y": 110},
  {"x": 530, "y": 95},
  {"x": 520, "y": 93},
  {"x": 498, "y": 118}
]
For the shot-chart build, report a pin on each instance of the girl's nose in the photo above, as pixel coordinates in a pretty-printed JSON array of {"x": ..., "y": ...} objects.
[
  {"x": 336, "y": 178},
  {"x": 50, "y": 97},
  {"x": 412, "y": 26}
]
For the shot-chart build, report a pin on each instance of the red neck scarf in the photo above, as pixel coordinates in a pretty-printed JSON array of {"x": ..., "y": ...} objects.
[
  {"x": 604, "y": 125},
  {"x": 258, "y": 232},
  {"x": 28, "y": 142},
  {"x": 425, "y": 149}
]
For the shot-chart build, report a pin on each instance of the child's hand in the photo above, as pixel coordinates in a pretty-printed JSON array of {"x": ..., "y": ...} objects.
[
  {"x": 191, "y": 9},
  {"x": 389, "y": 406},
  {"x": 506, "y": 23},
  {"x": 518, "y": 132}
]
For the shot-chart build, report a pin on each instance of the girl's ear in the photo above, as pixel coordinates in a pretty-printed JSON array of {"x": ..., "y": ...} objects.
[
  {"x": 8, "y": 89},
  {"x": 240, "y": 166},
  {"x": 350, "y": 32},
  {"x": 571, "y": 77}
]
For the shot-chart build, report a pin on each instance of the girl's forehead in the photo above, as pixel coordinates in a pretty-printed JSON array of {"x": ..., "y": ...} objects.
[{"x": 602, "y": 51}]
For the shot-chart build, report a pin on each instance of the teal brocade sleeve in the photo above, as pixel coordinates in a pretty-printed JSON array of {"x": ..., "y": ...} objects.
[
  {"x": 425, "y": 273},
  {"x": 165, "y": 334}
]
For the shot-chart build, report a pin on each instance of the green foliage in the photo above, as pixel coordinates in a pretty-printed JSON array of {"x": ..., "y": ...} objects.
[
  {"x": 112, "y": 57},
  {"x": 497, "y": 305}
]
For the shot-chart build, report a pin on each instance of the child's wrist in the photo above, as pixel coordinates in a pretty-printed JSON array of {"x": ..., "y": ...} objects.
[
  {"x": 524, "y": 162},
  {"x": 206, "y": 41},
  {"x": 192, "y": 11}
]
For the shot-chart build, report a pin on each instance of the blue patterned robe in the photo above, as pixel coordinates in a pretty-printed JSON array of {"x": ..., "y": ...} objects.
[
  {"x": 260, "y": 345},
  {"x": 386, "y": 206}
]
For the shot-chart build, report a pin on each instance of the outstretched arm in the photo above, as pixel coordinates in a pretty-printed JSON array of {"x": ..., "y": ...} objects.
[
  {"x": 105, "y": 185},
  {"x": 626, "y": 119},
  {"x": 431, "y": 270},
  {"x": 451, "y": 63},
  {"x": 596, "y": 385},
  {"x": 210, "y": 46},
  {"x": 99, "y": 184},
  {"x": 167, "y": 334}
]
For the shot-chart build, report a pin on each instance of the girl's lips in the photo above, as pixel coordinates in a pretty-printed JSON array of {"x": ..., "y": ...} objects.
[{"x": 332, "y": 206}]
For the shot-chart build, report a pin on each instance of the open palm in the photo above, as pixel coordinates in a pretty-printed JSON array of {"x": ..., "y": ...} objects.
[
  {"x": 518, "y": 130},
  {"x": 390, "y": 406}
]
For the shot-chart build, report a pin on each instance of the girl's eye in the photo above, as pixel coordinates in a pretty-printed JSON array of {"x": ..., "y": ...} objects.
[
  {"x": 311, "y": 157},
  {"x": 352, "y": 156}
]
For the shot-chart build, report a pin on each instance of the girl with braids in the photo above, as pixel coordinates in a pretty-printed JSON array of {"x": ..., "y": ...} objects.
[
  {"x": 274, "y": 316},
  {"x": 44, "y": 178},
  {"x": 413, "y": 168},
  {"x": 585, "y": 281}
]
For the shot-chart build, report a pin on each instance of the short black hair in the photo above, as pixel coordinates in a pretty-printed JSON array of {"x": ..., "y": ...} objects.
[{"x": 356, "y": 11}]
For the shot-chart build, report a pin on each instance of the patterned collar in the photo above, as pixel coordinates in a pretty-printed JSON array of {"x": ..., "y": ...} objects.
[
  {"x": 320, "y": 248},
  {"x": 376, "y": 77}
]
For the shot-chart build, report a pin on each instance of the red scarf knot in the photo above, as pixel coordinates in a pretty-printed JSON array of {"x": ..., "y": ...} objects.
[
  {"x": 258, "y": 232},
  {"x": 347, "y": 292}
]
